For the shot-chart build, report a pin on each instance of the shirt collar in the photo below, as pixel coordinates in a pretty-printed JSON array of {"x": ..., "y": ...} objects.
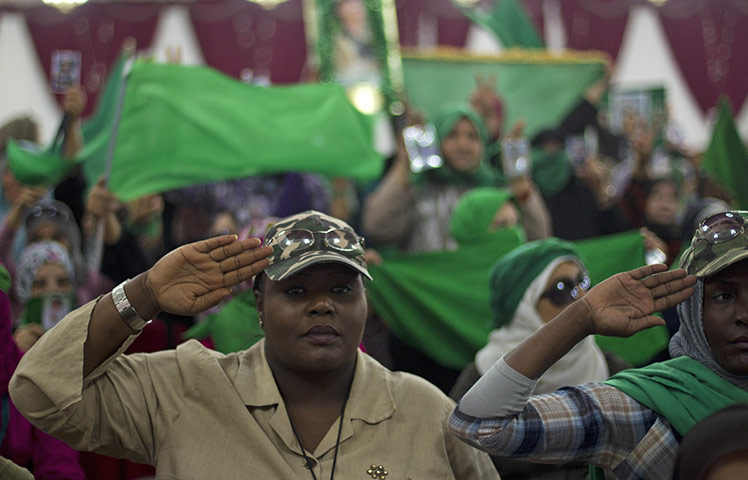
[{"x": 371, "y": 398}]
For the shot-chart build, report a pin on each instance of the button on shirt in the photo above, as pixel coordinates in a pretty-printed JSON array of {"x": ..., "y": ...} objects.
[{"x": 195, "y": 414}]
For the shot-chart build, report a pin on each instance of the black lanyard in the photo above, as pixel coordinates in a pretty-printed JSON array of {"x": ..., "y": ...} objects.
[{"x": 307, "y": 461}]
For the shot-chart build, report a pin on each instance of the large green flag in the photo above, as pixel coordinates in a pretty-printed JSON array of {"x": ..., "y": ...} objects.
[
  {"x": 438, "y": 302},
  {"x": 535, "y": 86},
  {"x": 726, "y": 158},
  {"x": 509, "y": 21},
  {"x": 182, "y": 125}
]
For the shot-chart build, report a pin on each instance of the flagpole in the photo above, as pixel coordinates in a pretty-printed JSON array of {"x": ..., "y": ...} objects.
[{"x": 95, "y": 247}]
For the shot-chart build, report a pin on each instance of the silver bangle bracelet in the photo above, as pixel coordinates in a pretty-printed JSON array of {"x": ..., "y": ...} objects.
[{"x": 126, "y": 311}]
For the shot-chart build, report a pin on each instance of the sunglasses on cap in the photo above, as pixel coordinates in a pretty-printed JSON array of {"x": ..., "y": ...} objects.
[
  {"x": 335, "y": 238},
  {"x": 48, "y": 211},
  {"x": 567, "y": 290},
  {"x": 721, "y": 227}
]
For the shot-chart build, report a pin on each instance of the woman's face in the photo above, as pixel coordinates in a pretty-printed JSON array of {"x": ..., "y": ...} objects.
[
  {"x": 505, "y": 217},
  {"x": 50, "y": 231},
  {"x": 726, "y": 317},
  {"x": 661, "y": 206},
  {"x": 567, "y": 273},
  {"x": 463, "y": 149},
  {"x": 313, "y": 320},
  {"x": 51, "y": 278}
]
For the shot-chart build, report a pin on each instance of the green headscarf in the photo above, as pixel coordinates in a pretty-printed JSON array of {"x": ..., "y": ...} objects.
[
  {"x": 474, "y": 213},
  {"x": 444, "y": 121},
  {"x": 550, "y": 171},
  {"x": 513, "y": 273}
]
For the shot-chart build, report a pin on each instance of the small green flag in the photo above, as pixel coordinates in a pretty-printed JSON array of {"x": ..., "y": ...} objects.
[
  {"x": 726, "y": 158},
  {"x": 509, "y": 21}
]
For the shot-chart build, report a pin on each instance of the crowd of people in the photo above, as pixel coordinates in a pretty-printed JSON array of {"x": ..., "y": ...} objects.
[{"x": 97, "y": 296}]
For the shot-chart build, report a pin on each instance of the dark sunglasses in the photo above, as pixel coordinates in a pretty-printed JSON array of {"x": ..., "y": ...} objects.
[
  {"x": 722, "y": 227},
  {"x": 566, "y": 290}
]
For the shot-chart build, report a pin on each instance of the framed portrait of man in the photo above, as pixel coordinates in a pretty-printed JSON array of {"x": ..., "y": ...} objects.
[{"x": 354, "y": 43}]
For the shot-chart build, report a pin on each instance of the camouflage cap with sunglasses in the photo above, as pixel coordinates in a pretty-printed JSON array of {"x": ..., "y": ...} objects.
[
  {"x": 719, "y": 241},
  {"x": 309, "y": 238}
]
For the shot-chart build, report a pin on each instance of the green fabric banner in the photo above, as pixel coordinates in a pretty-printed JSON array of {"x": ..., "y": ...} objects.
[
  {"x": 234, "y": 327},
  {"x": 438, "y": 301},
  {"x": 535, "y": 86},
  {"x": 183, "y": 125},
  {"x": 509, "y": 21},
  {"x": 726, "y": 158}
]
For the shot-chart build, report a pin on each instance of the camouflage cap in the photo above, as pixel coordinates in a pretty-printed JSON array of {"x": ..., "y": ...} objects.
[
  {"x": 704, "y": 258},
  {"x": 288, "y": 259}
]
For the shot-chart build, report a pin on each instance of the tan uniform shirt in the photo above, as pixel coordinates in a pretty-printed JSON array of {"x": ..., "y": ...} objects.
[{"x": 197, "y": 414}]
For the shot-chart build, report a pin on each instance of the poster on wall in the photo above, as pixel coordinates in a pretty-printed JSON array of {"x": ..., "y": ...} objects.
[
  {"x": 628, "y": 110},
  {"x": 354, "y": 43},
  {"x": 65, "y": 70}
]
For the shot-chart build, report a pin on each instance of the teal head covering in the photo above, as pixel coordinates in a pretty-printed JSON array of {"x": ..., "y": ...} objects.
[
  {"x": 446, "y": 120},
  {"x": 551, "y": 172},
  {"x": 472, "y": 217},
  {"x": 451, "y": 113},
  {"x": 513, "y": 273}
]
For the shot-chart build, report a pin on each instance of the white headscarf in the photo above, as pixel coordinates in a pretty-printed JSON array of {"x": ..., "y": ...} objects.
[{"x": 584, "y": 363}]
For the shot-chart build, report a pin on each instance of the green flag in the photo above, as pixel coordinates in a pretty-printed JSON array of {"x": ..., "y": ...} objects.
[
  {"x": 234, "y": 327},
  {"x": 509, "y": 21},
  {"x": 535, "y": 86},
  {"x": 726, "y": 159},
  {"x": 183, "y": 125},
  {"x": 438, "y": 302}
]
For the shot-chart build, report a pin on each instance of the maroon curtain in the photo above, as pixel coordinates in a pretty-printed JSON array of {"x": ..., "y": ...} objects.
[
  {"x": 97, "y": 30},
  {"x": 238, "y": 37},
  {"x": 534, "y": 9},
  {"x": 596, "y": 24},
  {"x": 708, "y": 41},
  {"x": 451, "y": 25},
  {"x": 408, "y": 15}
]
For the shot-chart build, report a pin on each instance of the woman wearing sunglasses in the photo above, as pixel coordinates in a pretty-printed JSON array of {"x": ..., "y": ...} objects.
[
  {"x": 529, "y": 287},
  {"x": 630, "y": 425}
]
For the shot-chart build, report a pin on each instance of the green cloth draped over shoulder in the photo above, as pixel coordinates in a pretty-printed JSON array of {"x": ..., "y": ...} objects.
[
  {"x": 444, "y": 121},
  {"x": 682, "y": 390}
]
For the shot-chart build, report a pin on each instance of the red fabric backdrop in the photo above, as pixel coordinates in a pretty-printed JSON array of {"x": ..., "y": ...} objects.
[
  {"x": 236, "y": 35},
  {"x": 96, "y": 30},
  {"x": 595, "y": 24},
  {"x": 708, "y": 41}
]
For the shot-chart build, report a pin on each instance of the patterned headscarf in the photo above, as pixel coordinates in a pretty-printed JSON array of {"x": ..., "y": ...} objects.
[
  {"x": 32, "y": 259},
  {"x": 50, "y": 211}
]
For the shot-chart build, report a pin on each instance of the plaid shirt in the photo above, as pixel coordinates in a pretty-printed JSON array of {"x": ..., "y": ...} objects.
[{"x": 591, "y": 424}]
